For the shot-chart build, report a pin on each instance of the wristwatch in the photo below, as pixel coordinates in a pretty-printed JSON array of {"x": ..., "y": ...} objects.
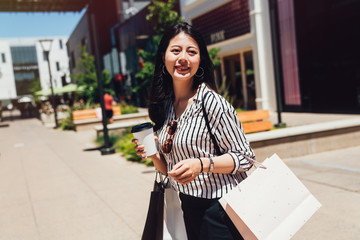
[{"x": 211, "y": 167}]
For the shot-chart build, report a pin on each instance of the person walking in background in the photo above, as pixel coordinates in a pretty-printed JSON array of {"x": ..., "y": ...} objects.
[
  {"x": 183, "y": 86},
  {"x": 108, "y": 102}
]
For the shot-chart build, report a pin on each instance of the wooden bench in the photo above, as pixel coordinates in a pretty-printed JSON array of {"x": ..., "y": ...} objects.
[
  {"x": 91, "y": 113},
  {"x": 255, "y": 121}
]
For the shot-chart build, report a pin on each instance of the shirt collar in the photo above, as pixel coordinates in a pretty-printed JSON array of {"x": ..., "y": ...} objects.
[{"x": 198, "y": 98}]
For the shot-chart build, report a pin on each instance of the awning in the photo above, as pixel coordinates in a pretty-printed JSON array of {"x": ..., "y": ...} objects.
[
  {"x": 42, "y": 6},
  {"x": 44, "y": 92},
  {"x": 70, "y": 88},
  {"x": 24, "y": 99}
]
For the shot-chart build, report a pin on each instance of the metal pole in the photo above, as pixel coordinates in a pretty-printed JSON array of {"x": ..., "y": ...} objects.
[
  {"x": 47, "y": 53},
  {"x": 274, "y": 34},
  {"x": 107, "y": 149}
]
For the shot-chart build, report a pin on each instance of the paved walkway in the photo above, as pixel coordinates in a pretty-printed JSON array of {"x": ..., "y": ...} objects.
[{"x": 51, "y": 189}]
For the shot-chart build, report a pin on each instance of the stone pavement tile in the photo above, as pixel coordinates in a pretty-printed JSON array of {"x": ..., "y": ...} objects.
[
  {"x": 335, "y": 178},
  {"x": 13, "y": 190},
  {"x": 337, "y": 219},
  {"x": 132, "y": 205},
  {"x": 326, "y": 176},
  {"x": 17, "y": 222},
  {"x": 80, "y": 217},
  {"x": 329, "y": 168},
  {"x": 336, "y": 189},
  {"x": 341, "y": 157}
]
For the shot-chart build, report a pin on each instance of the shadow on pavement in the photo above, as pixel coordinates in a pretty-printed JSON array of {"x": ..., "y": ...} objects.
[{"x": 92, "y": 149}]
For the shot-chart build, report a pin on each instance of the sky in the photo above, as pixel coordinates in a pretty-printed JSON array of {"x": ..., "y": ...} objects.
[{"x": 14, "y": 25}]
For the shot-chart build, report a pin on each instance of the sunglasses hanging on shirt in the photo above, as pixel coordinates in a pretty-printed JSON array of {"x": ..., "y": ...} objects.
[{"x": 170, "y": 129}]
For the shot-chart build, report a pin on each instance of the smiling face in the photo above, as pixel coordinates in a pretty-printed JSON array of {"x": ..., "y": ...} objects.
[{"x": 182, "y": 57}]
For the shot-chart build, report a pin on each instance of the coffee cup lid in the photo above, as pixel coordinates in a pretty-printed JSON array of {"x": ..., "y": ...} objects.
[{"x": 141, "y": 127}]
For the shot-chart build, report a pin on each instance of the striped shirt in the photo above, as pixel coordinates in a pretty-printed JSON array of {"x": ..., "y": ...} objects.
[{"x": 192, "y": 140}]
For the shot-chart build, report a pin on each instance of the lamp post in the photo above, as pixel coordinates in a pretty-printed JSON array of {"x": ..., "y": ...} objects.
[
  {"x": 46, "y": 47},
  {"x": 106, "y": 149},
  {"x": 276, "y": 57}
]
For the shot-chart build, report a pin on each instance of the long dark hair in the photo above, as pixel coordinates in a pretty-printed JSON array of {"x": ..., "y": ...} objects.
[{"x": 162, "y": 86}]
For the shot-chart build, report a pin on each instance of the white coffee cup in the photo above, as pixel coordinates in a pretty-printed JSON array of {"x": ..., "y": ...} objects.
[{"x": 144, "y": 133}]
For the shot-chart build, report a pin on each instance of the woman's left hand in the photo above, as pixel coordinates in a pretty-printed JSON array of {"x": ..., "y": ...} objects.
[{"x": 186, "y": 170}]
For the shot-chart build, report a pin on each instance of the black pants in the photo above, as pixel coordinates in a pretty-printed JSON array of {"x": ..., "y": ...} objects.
[
  {"x": 109, "y": 113},
  {"x": 205, "y": 219}
]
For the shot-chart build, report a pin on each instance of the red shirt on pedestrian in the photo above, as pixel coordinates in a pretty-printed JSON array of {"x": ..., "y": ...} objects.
[{"x": 108, "y": 100}]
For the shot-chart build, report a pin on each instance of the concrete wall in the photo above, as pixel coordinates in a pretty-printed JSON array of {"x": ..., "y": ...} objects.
[
  {"x": 307, "y": 143},
  {"x": 57, "y": 55},
  {"x": 7, "y": 81}
]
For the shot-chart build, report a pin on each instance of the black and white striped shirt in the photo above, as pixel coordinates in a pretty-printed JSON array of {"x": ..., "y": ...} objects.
[{"x": 192, "y": 140}]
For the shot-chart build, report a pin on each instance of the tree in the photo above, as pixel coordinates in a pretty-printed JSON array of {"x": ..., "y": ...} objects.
[
  {"x": 163, "y": 16},
  {"x": 35, "y": 86},
  {"x": 86, "y": 76}
]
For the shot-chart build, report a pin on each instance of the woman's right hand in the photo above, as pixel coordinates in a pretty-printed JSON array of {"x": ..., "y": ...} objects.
[{"x": 140, "y": 149}]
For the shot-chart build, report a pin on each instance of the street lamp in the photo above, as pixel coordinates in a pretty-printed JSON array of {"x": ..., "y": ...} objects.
[
  {"x": 107, "y": 149},
  {"x": 276, "y": 57},
  {"x": 46, "y": 47}
]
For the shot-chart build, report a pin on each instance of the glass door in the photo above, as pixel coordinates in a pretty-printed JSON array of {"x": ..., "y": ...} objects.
[{"x": 250, "y": 80}]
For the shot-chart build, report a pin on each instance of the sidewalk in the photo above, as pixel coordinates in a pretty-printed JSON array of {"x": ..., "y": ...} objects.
[{"x": 51, "y": 189}]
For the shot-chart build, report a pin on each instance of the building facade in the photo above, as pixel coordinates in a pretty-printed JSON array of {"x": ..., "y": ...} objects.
[
  {"x": 117, "y": 51},
  {"x": 240, "y": 29},
  {"x": 7, "y": 80},
  {"x": 295, "y": 55},
  {"x": 275, "y": 54},
  {"x": 23, "y": 61}
]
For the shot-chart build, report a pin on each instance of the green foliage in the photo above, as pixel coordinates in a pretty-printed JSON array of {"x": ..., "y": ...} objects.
[
  {"x": 223, "y": 88},
  {"x": 240, "y": 110},
  {"x": 125, "y": 109},
  {"x": 81, "y": 105},
  {"x": 122, "y": 143},
  {"x": 68, "y": 123},
  {"x": 147, "y": 71},
  {"x": 213, "y": 52},
  {"x": 224, "y": 91},
  {"x": 86, "y": 76},
  {"x": 162, "y": 14},
  {"x": 113, "y": 139},
  {"x": 35, "y": 85}
]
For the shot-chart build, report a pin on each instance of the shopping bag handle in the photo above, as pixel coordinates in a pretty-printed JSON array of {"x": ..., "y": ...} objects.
[{"x": 254, "y": 162}]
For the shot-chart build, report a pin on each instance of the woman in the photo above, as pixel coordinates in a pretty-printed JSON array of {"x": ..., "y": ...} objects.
[{"x": 183, "y": 79}]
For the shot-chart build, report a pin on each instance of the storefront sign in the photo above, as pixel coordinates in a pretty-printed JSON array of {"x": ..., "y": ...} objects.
[
  {"x": 26, "y": 68},
  {"x": 218, "y": 36},
  {"x": 227, "y": 21}
]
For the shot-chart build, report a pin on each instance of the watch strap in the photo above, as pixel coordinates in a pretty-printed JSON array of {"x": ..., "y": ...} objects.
[{"x": 211, "y": 167}]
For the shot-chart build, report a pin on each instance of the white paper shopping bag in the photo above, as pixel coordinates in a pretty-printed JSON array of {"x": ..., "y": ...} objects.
[{"x": 271, "y": 204}]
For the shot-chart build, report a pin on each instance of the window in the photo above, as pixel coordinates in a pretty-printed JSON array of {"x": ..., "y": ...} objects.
[
  {"x": 72, "y": 59},
  {"x": 57, "y": 66},
  {"x": 83, "y": 41},
  {"x": 60, "y": 44},
  {"x": 3, "y": 58},
  {"x": 23, "y": 55},
  {"x": 45, "y": 56}
]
